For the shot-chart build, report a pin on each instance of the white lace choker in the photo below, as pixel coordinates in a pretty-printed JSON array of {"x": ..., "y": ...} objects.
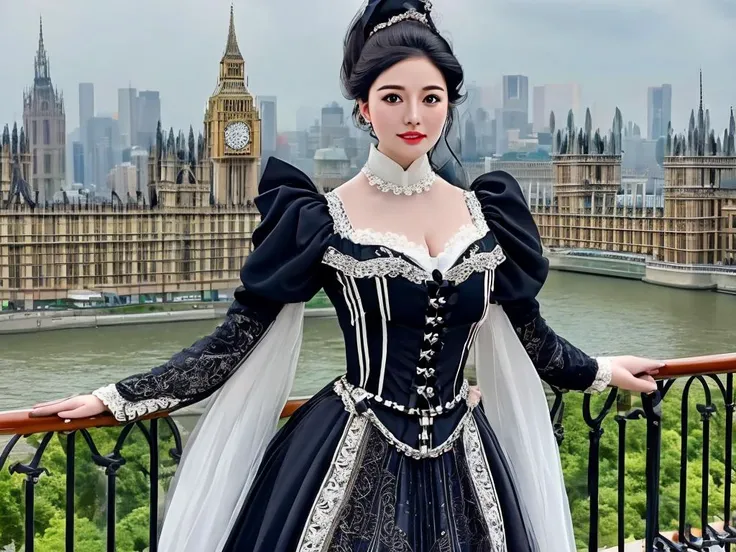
[{"x": 388, "y": 176}]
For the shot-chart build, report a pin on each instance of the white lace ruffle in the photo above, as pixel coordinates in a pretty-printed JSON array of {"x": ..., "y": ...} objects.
[
  {"x": 127, "y": 411},
  {"x": 602, "y": 377}
]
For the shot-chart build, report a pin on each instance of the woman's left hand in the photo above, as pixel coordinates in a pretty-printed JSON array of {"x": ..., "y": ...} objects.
[{"x": 634, "y": 373}]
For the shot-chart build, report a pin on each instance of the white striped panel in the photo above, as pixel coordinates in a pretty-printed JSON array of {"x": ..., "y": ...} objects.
[
  {"x": 385, "y": 297},
  {"x": 345, "y": 294},
  {"x": 383, "y": 306},
  {"x": 487, "y": 284},
  {"x": 357, "y": 319},
  {"x": 361, "y": 336}
]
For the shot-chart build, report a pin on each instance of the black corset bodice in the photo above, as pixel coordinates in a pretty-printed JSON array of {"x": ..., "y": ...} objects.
[{"x": 408, "y": 341}]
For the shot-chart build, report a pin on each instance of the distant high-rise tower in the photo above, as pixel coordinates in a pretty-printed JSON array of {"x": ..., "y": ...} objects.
[
  {"x": 78, "y": 158},
  {"x": 516, "y": 100},
  {"x": 514, "y": 115},
  {"x": 233, "y": 130},
  {"x": 86, "y": 112},
  {"x": 45, "y": 120},
  {"x": 267, "y": 106},
  {"x": 149, "y": 114},
  {"x": 659, "y": 110},
  {"x": 128, "y": 116},
  {"x": 333, "y": 130},
  {"x": 86, "y": 104},
  {"x": 557, "y": 98}
]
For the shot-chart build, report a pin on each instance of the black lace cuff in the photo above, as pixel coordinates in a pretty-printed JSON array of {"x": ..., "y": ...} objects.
[
  {"x": 558, "y": 362},
  {"x": 198, "y": 371}
]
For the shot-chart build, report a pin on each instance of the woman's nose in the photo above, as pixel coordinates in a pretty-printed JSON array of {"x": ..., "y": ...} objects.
[{"x": 412, "y": 117}]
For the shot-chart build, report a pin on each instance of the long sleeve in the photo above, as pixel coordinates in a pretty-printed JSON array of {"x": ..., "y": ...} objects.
[
  {"x": 198, "y": 371},
  {"x": 284, "y": 267},
  {"x": 557, "y": 361},
  {"x": 518, "y": 281}
]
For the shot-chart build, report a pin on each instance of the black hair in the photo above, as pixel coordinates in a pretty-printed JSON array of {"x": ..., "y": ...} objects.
[{"x": 364, "y": 59}]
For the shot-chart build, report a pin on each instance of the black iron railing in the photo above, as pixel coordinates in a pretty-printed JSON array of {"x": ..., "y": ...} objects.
[{"x": 702, "y": 385}]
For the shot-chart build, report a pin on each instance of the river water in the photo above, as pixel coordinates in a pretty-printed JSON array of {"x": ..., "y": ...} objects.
[{"x": 600, "y": 315}]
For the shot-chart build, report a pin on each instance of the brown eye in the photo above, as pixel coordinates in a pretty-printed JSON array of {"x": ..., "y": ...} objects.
[
  {"x": 432, "y": 99},
  {"x": 392, "y": 98}
]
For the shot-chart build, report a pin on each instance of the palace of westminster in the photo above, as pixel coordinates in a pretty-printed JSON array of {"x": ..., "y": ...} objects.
[{"x": 191, "y": 232}]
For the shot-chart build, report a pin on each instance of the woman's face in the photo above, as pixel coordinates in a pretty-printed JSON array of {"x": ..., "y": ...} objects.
[{"x": 407, "y": 106}]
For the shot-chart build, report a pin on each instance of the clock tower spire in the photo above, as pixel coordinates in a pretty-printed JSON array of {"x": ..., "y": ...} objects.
[{"x": 233, "y": 130}]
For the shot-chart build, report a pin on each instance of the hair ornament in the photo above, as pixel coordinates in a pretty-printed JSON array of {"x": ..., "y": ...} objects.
[{"x": 380, "y": 14}]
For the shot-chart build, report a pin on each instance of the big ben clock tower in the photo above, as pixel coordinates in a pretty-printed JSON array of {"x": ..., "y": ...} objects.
[{"x": 233, "y": 130}]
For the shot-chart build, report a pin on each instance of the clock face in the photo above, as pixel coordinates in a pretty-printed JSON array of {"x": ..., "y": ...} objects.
[{"x": 237, "y": 135}]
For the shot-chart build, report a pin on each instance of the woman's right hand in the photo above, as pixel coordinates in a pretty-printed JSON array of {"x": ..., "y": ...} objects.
[{"x": 82, "y": 406}]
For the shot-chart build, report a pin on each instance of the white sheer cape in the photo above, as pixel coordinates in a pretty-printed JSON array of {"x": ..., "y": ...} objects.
[
  {"x": 516, "y": 406},
  {"x": 223, "y": 453}
]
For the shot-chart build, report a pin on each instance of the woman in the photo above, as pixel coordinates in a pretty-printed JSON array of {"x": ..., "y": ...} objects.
[{"x": 395, "y": 456}]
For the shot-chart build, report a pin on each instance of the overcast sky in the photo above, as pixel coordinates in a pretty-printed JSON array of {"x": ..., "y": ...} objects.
[{"x": 292, "y": 48}]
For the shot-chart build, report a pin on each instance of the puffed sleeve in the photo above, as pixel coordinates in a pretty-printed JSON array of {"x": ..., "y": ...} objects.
[
  {"x": 520, "y": 278},
  {"x": 284, "y": 267}
]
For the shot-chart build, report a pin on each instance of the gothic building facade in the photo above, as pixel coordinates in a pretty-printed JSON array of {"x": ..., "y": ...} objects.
[
  {"x": 44, "y": 119},
  {"x": 187, "y": 233},
  {"x": 692, "y": 224}
]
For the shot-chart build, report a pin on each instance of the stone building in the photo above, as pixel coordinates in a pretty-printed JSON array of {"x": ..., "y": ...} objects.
[
  {"x": 696, "y": 224},
  {"x": 187, "y": 233},
  {"x": 44, "y": 119}
]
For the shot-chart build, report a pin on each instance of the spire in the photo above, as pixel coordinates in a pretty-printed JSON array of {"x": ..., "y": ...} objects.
[
  {"x": 42, "y": 60},
  {"x": 40, "y": 34},
  {"x": 701, "y": 135},
  {"x": 232, "y": 50}
]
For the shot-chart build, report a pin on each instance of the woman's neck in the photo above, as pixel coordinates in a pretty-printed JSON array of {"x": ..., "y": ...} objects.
[
  {"x": 388, "y": 175},
  {"x": 405, "y": 163}
]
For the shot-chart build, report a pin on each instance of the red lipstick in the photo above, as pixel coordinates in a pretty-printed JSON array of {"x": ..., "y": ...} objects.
[{"x": 412, "y": 137}]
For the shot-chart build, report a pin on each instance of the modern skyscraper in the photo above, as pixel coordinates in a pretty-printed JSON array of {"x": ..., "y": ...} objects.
[
  {"x": 333, "y": 130},
  {"x": 539, "y": 110},
  {"x": 514, "y": 115},
  {"x": 516, "y": 100},
  {"x": 78, "y": 157},
  {"x": 86, "y": 112},
  {"x": 44, "y": 119},
  {"x": 103, "y": 137},
  {"x": 267, "y": 107},
  {"x": 557, "y": 98},
  {"x": 86, "y": 104},
  {"x": 659, "y": 110},
  {"x": 128, "y": 116},
  {"x": 149, "y": 114}
]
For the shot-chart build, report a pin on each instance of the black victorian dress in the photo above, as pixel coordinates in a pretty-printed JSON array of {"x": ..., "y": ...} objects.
[{"x": 394, "y": 456}]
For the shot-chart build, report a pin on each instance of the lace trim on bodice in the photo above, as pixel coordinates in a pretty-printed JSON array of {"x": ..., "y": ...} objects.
[
  {"x": 466, "y": 234},
  {"x": 394, "y": 266},
  {"x": 391, "y": 266}
]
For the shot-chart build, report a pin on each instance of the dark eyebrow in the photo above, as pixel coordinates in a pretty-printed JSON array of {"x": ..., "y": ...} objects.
[{"x": 397, "y": 87}]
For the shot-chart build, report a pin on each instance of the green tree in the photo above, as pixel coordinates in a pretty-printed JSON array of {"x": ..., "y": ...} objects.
[
  {"x": 132, "y": 531},
  {"x": 87, "y": 536},
  {"x": 11, "y": 510}
]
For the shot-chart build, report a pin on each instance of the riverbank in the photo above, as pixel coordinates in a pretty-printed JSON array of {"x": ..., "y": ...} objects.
[
  {"x": 721, "y": 279},
  {"x": 42, "y": 321}
]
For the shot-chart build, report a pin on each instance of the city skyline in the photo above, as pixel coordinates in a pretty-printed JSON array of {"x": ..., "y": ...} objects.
[{"x": 111, "y": 46}]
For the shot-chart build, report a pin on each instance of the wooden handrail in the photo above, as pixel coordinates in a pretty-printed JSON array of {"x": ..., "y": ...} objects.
[
  {"x": 698, "y": 366},
  {"x": 19, "y": 422}
]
